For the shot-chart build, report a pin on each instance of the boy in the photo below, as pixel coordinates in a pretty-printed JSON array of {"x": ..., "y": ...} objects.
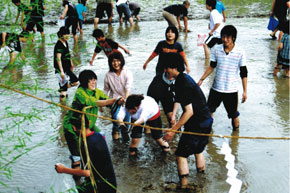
[
  {"x": 24, "y": 11},
  {"x": 103, "y": 5},
  {"x": 195, "y": 118},
  {"x": 37, "y": 14},
  {"x": 100, "y": 161},
  {"x": 123, "y": 8},
  {"x": 229, "y": 61},
  {"x": 107, "y": 45},
  {"x": 12, "y": 41},
  {"x": 221, "y": 9},
  {"x": 72, "y": 17},
  {"x": 215, "y": 26},
  {"x": 172, "y": 14},
  {"x": 81, "y": 9}
]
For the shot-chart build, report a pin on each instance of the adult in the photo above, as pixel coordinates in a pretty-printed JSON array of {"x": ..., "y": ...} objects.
[
  {"x": 229, "y": 61},
  {"x": 123, "y": 8},
  {"x": 36, "y": 17},
  {"x": 103, "y": 5}
]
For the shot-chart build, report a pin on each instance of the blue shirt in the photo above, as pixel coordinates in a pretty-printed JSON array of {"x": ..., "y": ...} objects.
[
  {"x": 80, "y": 9},
  {"x": 220, "y": 6}
]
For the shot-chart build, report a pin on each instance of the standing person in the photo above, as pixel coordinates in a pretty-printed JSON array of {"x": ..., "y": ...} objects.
[
  {"x": 107, "y": 45},
  {"x": 37, "y": 14},
  {"x": 118, "y": 83},
  {"x": 63, "y": 64},
  {"x": 172, "y": 14},
  {"x": 283, "y": 51},
  {"x": 71, "y": 15},
  {"x": 81, "y": 9},
  {"x": 216, "y": 24},
  {"x": 195, "y": 118},
  {"x": 123, "y": 8},
  {"x": 86, "y": 95},
  {"x": 103, "y": 5},
  {"x": 229, "y": 61},
  {"x": 158, "y": 88},
  {"x": 24, "y": 12},
  {"x": 279, "y": 9},
  {"x": 100, "y": 162},
  {"x": 12, "y": 41},
  {"x": 221, "y": 9},
  {"x": 135, "y": 10},
  {"x": 144, "y": 109}
]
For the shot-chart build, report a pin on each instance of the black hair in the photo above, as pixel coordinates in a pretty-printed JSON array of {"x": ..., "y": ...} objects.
[
  {"x": 211, "y": 3},
  {"x": 186, "y": 3},
  {"x": 85, "y": 76},
  {"x": 82, "y": 2},
  {"x": 98, "y": 33},
  {"x": 62, "y": 31},
  {"x": 285, "y": 27},
  {"x": 134, "y": 100},
  {"x": 174, "y": 60},
  {"x": 229, "y": 30},
  {"x": 15, "y": 1},
  {"x": 116, "y": 55},
  {"x": 174, "y": 30}
]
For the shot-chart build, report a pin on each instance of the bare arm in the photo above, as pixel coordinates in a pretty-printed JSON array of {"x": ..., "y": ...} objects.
[
  {"x": 92, "y": 60},
  {"x": 139, "y": 121},
  {"x": 58, "y": 59},
  {"x": 84, "y": 15},
  {"x": 174, "y": 112},
  {"x": 64, "y": 12},
  {"x": 244, "y": 82},
  {"x": 208, "y": 71},
  {"x": 185, "y": 23},
  {"x": 224, "y": 15},
  {"x": 102, "y": 103},
  {"x": 3, "y": 39},
  {"x": 78, "y": 172},
  {"x": 273, "y": 7},
  {"x": 148, "y": 60},
  {"x": 215, "y": 27},
  {"x": 125, "y": 50},
  {"x": 186, "y": 64},
  {"x": 280, "y": 46}
]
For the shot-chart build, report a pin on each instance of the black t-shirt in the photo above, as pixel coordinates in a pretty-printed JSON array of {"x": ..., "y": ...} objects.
[
  {"x": 177, "y": 10},
  {"x": 65, "y": 56},
  {"x": 24, "y": 8},
  {"x": 188, "y": 92},
  {"x": 280, "y": 9},
  {"x": 108, "y": 46},
  {"x": 12, "y": 41},
  {"x": 37, "y": 7},
  {"x": 72, "y": 11}
]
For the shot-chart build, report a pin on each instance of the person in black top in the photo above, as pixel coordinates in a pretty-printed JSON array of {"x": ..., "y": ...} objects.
[
  {"x": 72, "y": 17},
  {"x": 36, "y": 16},
  {"x": 63, "y": 64},
  {"x": 25, "y": 13},
  {"x": 135, "y": 10},
  {"x": 172, "y": 14},
  {"x": 195, "y": 118}
]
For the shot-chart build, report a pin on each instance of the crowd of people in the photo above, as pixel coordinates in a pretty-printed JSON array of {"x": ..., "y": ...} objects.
[{"x": 172, "y": 86}]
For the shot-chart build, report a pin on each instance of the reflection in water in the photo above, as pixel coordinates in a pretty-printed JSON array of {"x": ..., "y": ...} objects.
[{"x": 11, "y": 74}]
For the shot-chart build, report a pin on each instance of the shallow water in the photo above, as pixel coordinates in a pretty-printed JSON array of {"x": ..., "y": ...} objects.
[{"x": 263, "y": 165}]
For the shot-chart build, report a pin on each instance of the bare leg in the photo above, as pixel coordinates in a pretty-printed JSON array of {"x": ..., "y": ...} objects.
[
  {"x": 134, "y": 144},
  {"x": 164, "y": 144},
  {"x": 12, "y": 58},
  {"x": 183, "y": 170},
  {"x": 96, "y": 21},
  {"x": 110, "y": 20},
  {"x": 206, "y": 51},
  {"x": 236, "y": 123},
  {"x": 200, "y": 162},
  {"x": 131, "y": 21},
  {"x": 276, "y": 70}
]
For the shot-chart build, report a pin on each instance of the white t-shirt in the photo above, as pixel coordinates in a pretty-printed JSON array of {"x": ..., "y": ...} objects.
[{"x": 216, "y": 17}]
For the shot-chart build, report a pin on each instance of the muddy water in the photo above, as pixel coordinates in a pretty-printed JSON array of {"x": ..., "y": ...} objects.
[{"x": 263, "y": 165}]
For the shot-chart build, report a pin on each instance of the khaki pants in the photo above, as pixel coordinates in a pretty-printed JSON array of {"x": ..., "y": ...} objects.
[{"x": 170, "y": 18}]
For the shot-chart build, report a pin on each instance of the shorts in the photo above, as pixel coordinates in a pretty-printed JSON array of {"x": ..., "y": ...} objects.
[
  {"x": 124, "y": 8},
  {"x": 38, "y": 21},
  {"x": 156, "y": 134},
  {"x": 101, "y": 8},
  {"x": 72, "y": 21},
  {"x": 194, "y": 144},
  {"x": 213, "y": 42},
  {"x": 283, "y": 62},
  {"x": 160, "y": 91},
  {"x": 81, "y": 22},
  {"x": 170, "y": 18},
  {"x": 135, "y": 12},
  {"x": 72, "y": 79},
  {"x": 230, "y": 101}
]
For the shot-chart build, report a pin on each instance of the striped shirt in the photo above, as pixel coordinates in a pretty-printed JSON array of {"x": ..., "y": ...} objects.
[{"x": 228, "y": 67}]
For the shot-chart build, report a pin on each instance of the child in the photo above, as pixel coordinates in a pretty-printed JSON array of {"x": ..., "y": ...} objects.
[
  {"x": 100, "y": 161},
  {"x": 81, "y": 9},
  {"x": 123, "y": 8},
  {"x": 102, "y": 6},
  {"x": 12, "y": 41},
  {"x": 135, "y": 10},
  {"x": 118, "y": 83},
  {"x": 221, "y": 8},
  {"x": 107, "y": 45},
  {"x": 37, "y": 14},
  {"x": 215, "y": 26},
  {"x": 72, "y": 17},
  {"x": 63, "y": 64},
  {"x": 172, "y": 14},
  {"x": 283, "y": 51},
  {"x": 24, "y": 11}
]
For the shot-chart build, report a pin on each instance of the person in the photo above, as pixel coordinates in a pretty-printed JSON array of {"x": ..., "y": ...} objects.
[
  {"x": 229, "y": 61},
  {"x": 24, "y": 12},
  {"x": 71, "y": 15},
  {"x": 81, "y": 9},
  {"x": 172, "y": 14},
  {"x": 144, "y": 109},
  {"x": 103, "y": 5},
  {"x": 195, "y": 118},
  {"x": 123, "y": 8},
  {"x": 215, "y": 26},
  {"x": 63, "y": 64},
  {"x": 107, "y": 45},
  {"x": 279, "y": 9},
  {"x": 283, "y": 51},
  {"x": 118, "y": 83},
  {"x": 100, "y": 162},
  {"x": 12, "y": 42},
  {"x": 37, "y": 14},
  {"x": 221, "y": 9},
  {"x": 158, "y": 88},
  {"x": 135, "y": 10},
  {"x": 86, "y": 95}
]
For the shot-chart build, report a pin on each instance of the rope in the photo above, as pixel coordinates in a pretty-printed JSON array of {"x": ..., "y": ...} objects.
[{"x": 133, "y": 124}]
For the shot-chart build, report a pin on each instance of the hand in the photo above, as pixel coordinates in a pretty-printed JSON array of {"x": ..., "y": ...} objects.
[
  {"x": 168, "y": 136},
  {"x": 121, "y": 101},
  {"x": 210, "y": 33},
  {"x": 59, "y": 168},
  {"x": 127, "y": 51},
  {"x": 187, "y": 70},
  {"x": 200, "y": 82},
  {"x": 145, "y": 66},
  {"x": 62, "y": 75},
  {"x": 173, "y": 120},
  {"x": 61, "y": 17},
  {"x": 91, "y": 62},
  {"x": 244, "y": 97}
]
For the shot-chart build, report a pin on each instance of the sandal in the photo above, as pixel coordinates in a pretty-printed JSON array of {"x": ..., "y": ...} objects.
[
  {"x": 132, "y": 151},
  {"x": 165, "y": 149}
]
